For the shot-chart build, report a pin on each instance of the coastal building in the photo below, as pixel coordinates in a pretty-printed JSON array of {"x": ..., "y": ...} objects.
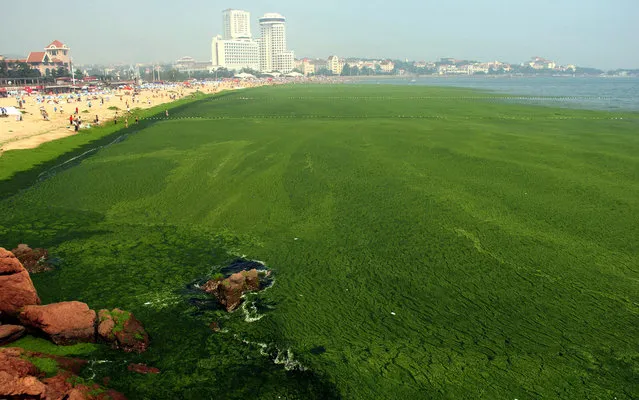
[
  {"x": 318, "y": 64},
  {"x": 305, "y": 66},
  {"x": 235, "y": 49},
  {"x": 55, "y": 56},
  {"x": 387, "y": 66},
  {"x": 274, "y": 55},
  {"x": 236, "y": 24},
  {"x": 235, "y": 54},
  {"x": 541, "y": 63},
  {"x": 334, "y": 65},
  {"x": 188, "y": 64}
]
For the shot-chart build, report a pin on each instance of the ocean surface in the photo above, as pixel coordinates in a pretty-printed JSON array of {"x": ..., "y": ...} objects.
[{"x": 612, "y": 94}]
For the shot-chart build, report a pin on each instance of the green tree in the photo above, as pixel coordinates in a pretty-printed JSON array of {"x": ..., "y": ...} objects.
[
  {"x": 367, "y": 71},
  {"x": 62, "y": 72},
  {"x": 346, "y": 71},
  {"x": 250, "y": 71},
  {"x": 324, "y": 72}
]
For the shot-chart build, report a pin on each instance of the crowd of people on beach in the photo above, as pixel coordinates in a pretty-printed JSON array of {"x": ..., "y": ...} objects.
[{"x": 116, "y": 104}]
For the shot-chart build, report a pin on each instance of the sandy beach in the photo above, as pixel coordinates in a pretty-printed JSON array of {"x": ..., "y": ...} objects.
[{"x": 34, "y": 130}]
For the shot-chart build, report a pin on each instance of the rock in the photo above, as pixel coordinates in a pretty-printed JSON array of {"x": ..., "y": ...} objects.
[
  {"x": 10, "y": 333},
  {"x": 65, "y": 323},
  {"x": 17, "y": 376},
  {"x": 21, "y": 379},
  {"x": 143, "y": 369},
  {"x": 16, "y": 288},
  {"x": 92, "y": 392},
  {"x": 57, "y": 387},
  {"x": 28, "y": 387},
  {"x": 122, "y": 330},
  {"x": 33, "y": 260},
  {"x": 12, "y": 363},
  {"x": 229, "y": 291},
  {"x": 105, "y": 326}
]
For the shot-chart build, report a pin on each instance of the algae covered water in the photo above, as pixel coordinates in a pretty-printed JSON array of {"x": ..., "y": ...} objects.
[
  {"x": 598, "y": 93},
  {"x": 425, "y": 242}
]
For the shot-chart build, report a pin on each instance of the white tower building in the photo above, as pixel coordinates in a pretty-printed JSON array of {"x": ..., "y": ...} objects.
[
  {"x": 273, "y": 53},
  {"x": 235, "y": 54},
  {"x": 235, "y": 49},
  {"x": 236, "y": 24}
]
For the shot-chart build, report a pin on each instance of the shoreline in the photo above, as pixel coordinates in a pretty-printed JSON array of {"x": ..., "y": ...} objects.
[{"x": 33, "y": 130}]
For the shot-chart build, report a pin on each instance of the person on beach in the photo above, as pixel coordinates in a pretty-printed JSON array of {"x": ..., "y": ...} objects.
[
  {"x": 115, "y": 120},
  {"x": 126, "y": 122},
  {"x": 136, "y": 120},
  {"x": 70, "y": 120},
  {"x": 76, "y": 111},
  {"x": 166, "y": 112},
  {"x": 97, "y": 120}
]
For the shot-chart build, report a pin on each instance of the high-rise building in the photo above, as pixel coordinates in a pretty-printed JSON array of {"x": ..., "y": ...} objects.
[
  {"x": 236, "y": 54},
  {"x": 235, "y": 49},
  {"x": 273, "y": 53},
  {"x": 236, "y": 24}
]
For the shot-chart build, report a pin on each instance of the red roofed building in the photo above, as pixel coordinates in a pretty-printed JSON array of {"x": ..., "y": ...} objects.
[{"x": 54, "y": 56}]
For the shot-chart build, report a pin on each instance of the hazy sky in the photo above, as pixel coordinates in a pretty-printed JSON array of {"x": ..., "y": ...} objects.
[{"x": 597, "y": 33}]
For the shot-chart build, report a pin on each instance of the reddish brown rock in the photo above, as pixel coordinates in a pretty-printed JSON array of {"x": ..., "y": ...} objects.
[
  {"x": 143, "y": 369},
  {"x": 65, "y": 323},
  {"x": 17, "y": 376},
  {"x": 105, "y": 326},
  {"x": 12, "y": 363},
  {"x": 93, "y": 392},
  {"x": 28, "y": 387},
  {"x": 59, "y": 386},
  {"x": 229, "y": 291},
  {"x": 34, "y": 260},
  {"x": 122, "y": 330},
  {"x": 16, "y": 288},
  {"x": 20, "y": 379},
  {"x": 10, "y": 333}
]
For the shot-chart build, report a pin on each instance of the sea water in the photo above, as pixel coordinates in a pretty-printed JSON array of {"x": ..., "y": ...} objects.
[{"x": 600, "y": 93}]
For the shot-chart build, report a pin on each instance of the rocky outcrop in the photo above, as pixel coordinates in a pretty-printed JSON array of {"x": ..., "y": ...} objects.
[
  {"x": 122, "y": 330},
  {"x": 20, "y": 378},
  {"x": 64, "y": 323},
  {"x": 16, "y": 288},
  {"x": 229, "y": 291},
  {"x": 10, "y": 333},
  {"x": 33, "y": 260},
  {"x": 143, "y": 369}
]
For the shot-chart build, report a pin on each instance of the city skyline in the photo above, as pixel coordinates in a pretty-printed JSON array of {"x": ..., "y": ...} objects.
[{"x": 586, "y": 33}]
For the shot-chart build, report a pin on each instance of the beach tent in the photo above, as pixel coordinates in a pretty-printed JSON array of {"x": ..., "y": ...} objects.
[
  {"x": 244, "y": 75},
  {"x": 294, "y": 74}
]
